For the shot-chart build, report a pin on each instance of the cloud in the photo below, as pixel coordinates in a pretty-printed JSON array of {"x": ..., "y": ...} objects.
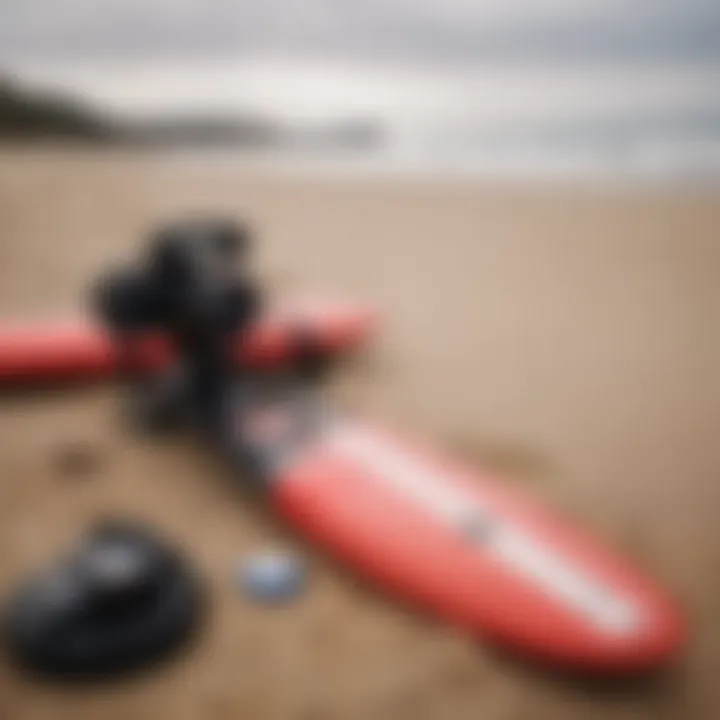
[{"x": 455, "y": 29}]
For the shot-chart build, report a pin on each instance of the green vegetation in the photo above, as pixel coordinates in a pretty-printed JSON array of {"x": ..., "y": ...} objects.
[{"x": 26, "y": 115}]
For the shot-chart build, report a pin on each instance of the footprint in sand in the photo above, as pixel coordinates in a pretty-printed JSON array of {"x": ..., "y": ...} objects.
[
  {"x": 511, "y": 461},
  {"x": 77, "y": 460}
]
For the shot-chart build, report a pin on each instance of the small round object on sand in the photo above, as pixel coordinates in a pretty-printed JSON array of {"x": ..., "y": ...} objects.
[
  {"x": 272, "y": 577},
  {"x": 78, "y": 459}
]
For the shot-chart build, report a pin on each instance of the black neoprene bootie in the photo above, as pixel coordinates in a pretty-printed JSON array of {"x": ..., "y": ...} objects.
[{"x": 122, "y": 600}]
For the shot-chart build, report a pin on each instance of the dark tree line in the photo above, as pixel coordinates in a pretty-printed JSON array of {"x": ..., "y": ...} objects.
[{"x": 31, "y": 115}]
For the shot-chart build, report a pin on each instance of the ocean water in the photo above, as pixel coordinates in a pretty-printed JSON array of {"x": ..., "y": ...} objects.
[
  {"x": 618, "y": 149},
  {"x": 682, "y": 146},
  {"x": 635, "y": 122}
]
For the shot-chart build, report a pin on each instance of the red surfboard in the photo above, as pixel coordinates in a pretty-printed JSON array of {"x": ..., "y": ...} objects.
[
  {"x": 457, "y": 544},
  {"x": 59, "y": 351}
]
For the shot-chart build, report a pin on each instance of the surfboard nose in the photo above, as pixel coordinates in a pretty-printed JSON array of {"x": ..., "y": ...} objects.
[{"x": 653, "y": 640}]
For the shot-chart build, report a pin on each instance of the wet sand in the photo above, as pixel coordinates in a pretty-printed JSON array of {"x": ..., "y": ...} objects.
[{"x": 568, "y": 338}]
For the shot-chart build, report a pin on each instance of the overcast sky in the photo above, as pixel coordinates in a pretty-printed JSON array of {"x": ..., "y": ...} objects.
[
  {"x": 421, "y": 29},
  {"x": 141, "y": 56}
]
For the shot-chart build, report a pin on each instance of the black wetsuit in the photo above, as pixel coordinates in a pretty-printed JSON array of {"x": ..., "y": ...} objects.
[{"x": 185, "y": 288}]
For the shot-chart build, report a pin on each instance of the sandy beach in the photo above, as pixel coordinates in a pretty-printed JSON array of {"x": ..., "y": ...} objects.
[{"x": 567, "y": 337}]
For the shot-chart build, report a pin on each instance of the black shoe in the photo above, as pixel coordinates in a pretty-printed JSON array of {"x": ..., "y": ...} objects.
[{"x": 123, "y": 600}]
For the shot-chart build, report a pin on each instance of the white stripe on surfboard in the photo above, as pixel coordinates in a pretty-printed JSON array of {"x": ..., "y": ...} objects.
[{"x": 546, "y": 567}]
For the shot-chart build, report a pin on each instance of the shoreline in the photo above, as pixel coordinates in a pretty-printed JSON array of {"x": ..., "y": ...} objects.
[{"x": 351, "y": 168}]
